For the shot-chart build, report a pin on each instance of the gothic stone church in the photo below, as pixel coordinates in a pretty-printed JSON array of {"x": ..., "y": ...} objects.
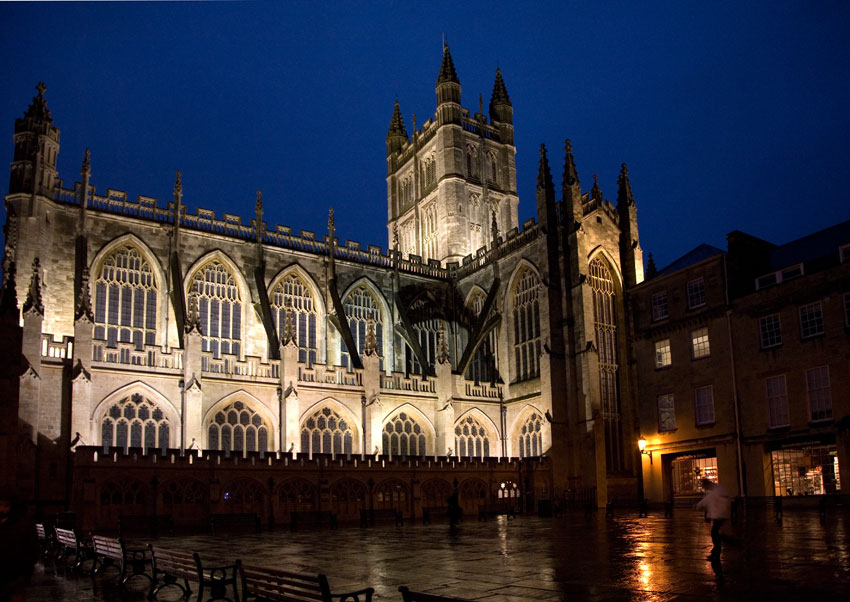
[{"x": 181, "y": 363}]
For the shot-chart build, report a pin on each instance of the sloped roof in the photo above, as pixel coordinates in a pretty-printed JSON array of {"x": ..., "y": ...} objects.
[
  {"x": 813, "y": 246},
  {"x": 698, "y": 254}
]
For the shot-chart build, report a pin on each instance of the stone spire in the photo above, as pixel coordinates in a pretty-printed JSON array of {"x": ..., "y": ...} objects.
[
  {"x": 447, "y": 68},
  {"x": 33, "y": 302},
  {"x": 500, "y": 92},
  {"x": 38, "y": 111},
  {"x": 33, "y": 168},
  {"x": 596, "y": 192},
  {"x": 501, "y": 109},
  {"x": 258, "y": 211},
  {"x": 570, "y": 171},
  {"x": 545, "y": 191},
  {"x": 83, "y": 309},
  {"x": 288, "y": 334},
  {"x": 448, "y": 90},
  {"x": 570, "y": 184},
  {"x": 494, "y": 227},
  {"x": 624, "y": 188},
  {"x": 651, "y": 270},
  {"x": 193, "y": 316},
  {"x": 370, "y": 345},
  {"x": 442, "y": 347},
  {"x": 397, "y": 134},
  {"x": 178, "y": 199}
]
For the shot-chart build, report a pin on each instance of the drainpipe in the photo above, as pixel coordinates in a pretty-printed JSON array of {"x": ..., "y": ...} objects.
[{"x": 738, "y": 433}]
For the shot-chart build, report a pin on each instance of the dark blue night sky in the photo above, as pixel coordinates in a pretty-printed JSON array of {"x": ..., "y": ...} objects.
[{"x": 730, "y": 115}]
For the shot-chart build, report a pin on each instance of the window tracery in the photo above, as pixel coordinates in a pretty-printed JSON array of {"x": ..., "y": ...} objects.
[
  {"x": 483, "y": 366},
  {"x": 125, "y": 299},
  {"x": 220, "y": 308},
  {"x": 361, "y": 306},
  {"x": 238, "y": 428},
  {"x": 471, "y": 439},
  {"x": 325, "y": 431},
  {"x": 403, "y": 436},
  {"x": 531, "y": 437},
  {"x": 135, "y": 422},
  {"x": 526, "y": 318},
  {"x": 292, "y": 295}
]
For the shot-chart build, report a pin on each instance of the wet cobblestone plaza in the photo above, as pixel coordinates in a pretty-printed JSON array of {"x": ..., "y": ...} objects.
[{"x": 531, "y": 558}]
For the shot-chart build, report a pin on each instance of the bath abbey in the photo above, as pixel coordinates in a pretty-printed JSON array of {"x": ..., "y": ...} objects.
[{"x": 186, "y": 363}]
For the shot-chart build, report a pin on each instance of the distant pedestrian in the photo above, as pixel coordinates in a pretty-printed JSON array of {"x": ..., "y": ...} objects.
[
  {"x": 18, "y": 551},
  {"x": 718, "y": 509}
]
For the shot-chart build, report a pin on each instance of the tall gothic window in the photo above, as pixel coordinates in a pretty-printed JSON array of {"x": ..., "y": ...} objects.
[
  {"x": 526, "y": 317},
  {"x": 403, "y": 436},
  {"x": 605, "y": 325},
  {"x": 491, "y": 169},
  {"x": 292, "y": 295},
  {"x": 471, "y": 162},
  {"x": 360, "y": 307},
  {"x": 429, "y": 231},
  {"x": 135, "y": 422},
  {"x": 427, "y": 332},
  {"x": 482, "y": 367},
  {"x": 125, "y": 299},
  {"x": 471, "y": 440},
  {"x": 326, "y": 432},
  {"x": 238, "y": 428},
  {"x": 530, "y": 441},
  {"x": 220, "y": 307}
]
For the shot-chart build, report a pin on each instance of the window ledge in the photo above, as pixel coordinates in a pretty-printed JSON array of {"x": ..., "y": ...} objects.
[
  {"x": 666, "y": 367},
  {"x": 772, "y": 347},
  {"x": 812, "y": 337}
]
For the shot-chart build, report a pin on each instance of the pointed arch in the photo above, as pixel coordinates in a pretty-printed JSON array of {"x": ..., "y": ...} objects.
[
  {"x": 294, "y": 291},
  {"x": 223, "y": 300},
  {"x": 329, "y": 427},
  {"x": 523, "y": 297},
  {"x": 135, "y": 415},
  {"x": 127, "y": 292},
  {"x": 484, "y": 364},
  {"x": 612, "y": 265},
  {"x": 407, "y": 431},
  {"x": 476, "y": 435},
  {"x": 527, "y": 432},
  {"x": 241, "y": 423},
  {"x": 358, "y": 324}
]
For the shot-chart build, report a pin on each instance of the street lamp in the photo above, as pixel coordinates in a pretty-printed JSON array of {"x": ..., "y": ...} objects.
[{"x": 642, "y": 448}]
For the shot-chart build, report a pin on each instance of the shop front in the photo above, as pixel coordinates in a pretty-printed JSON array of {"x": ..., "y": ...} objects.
[{"x": 803, "y": 468}]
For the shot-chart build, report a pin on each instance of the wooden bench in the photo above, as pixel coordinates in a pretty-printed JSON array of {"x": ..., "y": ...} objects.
[
  {"x": 411, "y": 596},
  {"x": 66, "y": 542},
  {"x": 429, "y": 512},
  {"x": 155, "y": 524},
  {"x": 286, "y": 586},
  {"x": 172, "y": 565},
  {"x": 109, "y": 551},
  {"x": 312, "y": 518},
  {"x": 368, "y": 517},
  {"x": 44, "y": 541},
  {"x": 495, "y": 509},
  {"x": 234, "y": 521}
]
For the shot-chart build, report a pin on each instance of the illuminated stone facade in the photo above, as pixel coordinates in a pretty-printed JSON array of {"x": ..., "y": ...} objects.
[{"x": 147, "y": 328}]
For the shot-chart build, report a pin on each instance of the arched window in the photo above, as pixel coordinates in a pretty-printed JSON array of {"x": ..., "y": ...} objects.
[
  {"x": 605, "y": 325},
  {"x": 361, "y": 306},
  {"x": 526, "y": 318},
  {"x": 530, "y": 441},
  {"x": 326, "y": 432},
  {"x": 238, "y": 428},
  {"x": 471, "y": 162},
  {"x": 427, "y": 333},
  {"x": 482, "y": 367},
  {"x": 220, "y": 307},
  {"x": 491, "y": 169},
  {"x": 429, "y": 232},
  {"x": 135, "y": 421},
  {"x": 471, "y": 440},
  {"x": 125, "y": 299},
  {"x": 403, "y": 436},
  {"x": 293, "y": 295}
]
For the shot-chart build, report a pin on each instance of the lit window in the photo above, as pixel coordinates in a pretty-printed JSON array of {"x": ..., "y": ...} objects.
[
  {"x": 659, "y": 306},
  {"x": 666, "y": 413},
  {"x": 326, "y": 432},
  {"x": 135, "y": 422},
  {"x": 662, "y": 353},
  {"x": 771, "y": 331},
  {"x": 403, "y": 436},
  {"x": 238, "y": 428},
  {"x": 696, "y": 293},
  {"x": 777, "y": 402},
  {"x": 471, "y": 440},
  {"x": 704, "y": 405},
  {"x": 292, "y": 295},
  {"x": 820, "y": 395},
  {"x": 125, "y": 299},
  {"x": 361, "y": 307},
  {"x": 526, "y": 319},
  {"x": 699, "y": 343},
  {"x": 811, "y": 320},
  {"x": 220, "y": 309},
  {"x": 482, "y": 367},
  {"x": 530, "y": 437}
]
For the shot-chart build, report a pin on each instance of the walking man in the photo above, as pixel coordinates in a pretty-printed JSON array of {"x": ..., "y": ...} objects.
[{"x": 718, "y": 508}]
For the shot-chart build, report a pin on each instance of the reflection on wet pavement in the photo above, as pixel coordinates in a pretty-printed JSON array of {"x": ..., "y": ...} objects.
[{"x": 530, "y": 558}]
